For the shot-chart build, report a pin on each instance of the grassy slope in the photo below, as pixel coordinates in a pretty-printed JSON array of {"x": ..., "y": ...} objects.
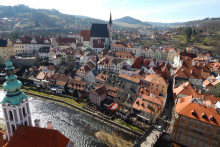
[{"x": 69, "y": 100}]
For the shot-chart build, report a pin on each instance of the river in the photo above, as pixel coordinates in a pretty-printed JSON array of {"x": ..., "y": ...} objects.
[{"x": 75, "y": 125}]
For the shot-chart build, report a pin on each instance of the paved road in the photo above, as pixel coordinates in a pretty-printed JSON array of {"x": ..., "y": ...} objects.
[
  {"x": 167, "y": 113},
  {"x": 151, "y": 139}
]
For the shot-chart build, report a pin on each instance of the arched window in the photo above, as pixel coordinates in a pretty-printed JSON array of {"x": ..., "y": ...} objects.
[
  {"x": 24, "y": 112},
  {"x": 12, "y": 128},
  {"x": 10, "y": 115},
  {"x": 25, "y": 123}
]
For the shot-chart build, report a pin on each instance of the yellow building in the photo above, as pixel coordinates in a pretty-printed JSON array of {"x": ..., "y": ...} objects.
[
  {"x": 156, "y": 83},
  {"x": 171, "y": 54},
  {"x": 196, "y": 121},
  {"x": 6, "y": 50}
]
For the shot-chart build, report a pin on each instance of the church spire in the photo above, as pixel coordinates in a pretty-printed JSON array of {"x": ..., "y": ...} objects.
[{"x": 110, "y": 20}]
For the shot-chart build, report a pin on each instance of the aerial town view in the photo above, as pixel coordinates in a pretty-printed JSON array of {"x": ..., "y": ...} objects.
[{"x": 110, "y": 73}]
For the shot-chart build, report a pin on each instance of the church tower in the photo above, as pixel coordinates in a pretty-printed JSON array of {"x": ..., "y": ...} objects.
[
  {"x": 15, "y": 103},
  {"x": 110, "y": 30}
]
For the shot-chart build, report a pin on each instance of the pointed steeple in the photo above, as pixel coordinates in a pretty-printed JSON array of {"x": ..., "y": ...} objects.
[{"x": 110, "y": 20}]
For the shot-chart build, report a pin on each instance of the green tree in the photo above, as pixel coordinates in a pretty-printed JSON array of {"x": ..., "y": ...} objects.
[{"x": 188, "y": 34}]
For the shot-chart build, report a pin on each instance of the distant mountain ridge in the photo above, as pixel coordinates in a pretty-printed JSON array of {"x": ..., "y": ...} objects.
[
  {"x": 207, "y": 22},
  {"x": 31, "y": 18},
  {"x": 131, "y": 20}
]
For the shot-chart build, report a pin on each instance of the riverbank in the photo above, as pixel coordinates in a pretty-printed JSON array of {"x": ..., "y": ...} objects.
[
  {"x": 112, "y": 139},
  {"x": 91, "y": 114}
]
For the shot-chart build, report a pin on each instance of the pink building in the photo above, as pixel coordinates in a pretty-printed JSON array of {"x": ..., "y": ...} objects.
[{"x": 98, "y": 95}]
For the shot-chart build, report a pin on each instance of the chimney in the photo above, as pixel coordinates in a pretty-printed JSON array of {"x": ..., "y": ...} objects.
[
  {"x": 37, "y": 122},
  {"x": 49, "y": 125}
]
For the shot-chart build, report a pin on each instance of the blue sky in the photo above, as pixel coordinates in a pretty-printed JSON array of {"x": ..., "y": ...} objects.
[{"x": 145, "y": 10}]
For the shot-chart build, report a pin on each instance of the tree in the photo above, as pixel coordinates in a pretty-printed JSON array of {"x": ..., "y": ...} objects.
[{"x": 188, "y": 34}]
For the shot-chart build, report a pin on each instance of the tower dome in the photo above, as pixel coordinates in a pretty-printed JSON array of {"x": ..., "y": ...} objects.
[{"x": 12, "y": 86}]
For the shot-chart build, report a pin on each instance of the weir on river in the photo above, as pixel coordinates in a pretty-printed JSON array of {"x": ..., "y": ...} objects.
[{"x": 75, "y": 125}]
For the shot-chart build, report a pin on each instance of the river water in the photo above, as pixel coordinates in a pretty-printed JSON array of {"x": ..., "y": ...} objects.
[{"x": 75, "y": 125}]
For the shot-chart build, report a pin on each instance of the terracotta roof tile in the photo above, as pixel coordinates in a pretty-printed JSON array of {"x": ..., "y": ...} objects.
[
  {"x": 65, "y": 41},
  {"x": 27, "y": 136},
  {"x": 85, "y": 34},
  {"x": 145, "y": 104},
  {"x": 124, "y": 55},
  {"x": 211, "y": 81},
  {"x": 102, "y": 77},
  {"x": 76, "y": 83},
  {"x": 62, "y": 80},
  {"x": 153, "y": 78},
  {"x": 186, "y": 89},
  {"x": 138, "y": 62},
  {"x": 101, "y": 90},
  {"x": 190, "y": 107},
  {"x": 41, "y": 76},
  {"x": 133, "y": 79}
]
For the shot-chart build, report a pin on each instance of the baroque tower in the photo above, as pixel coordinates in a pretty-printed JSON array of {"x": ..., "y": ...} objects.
[
  {"x": 110, "y": 30},
  {"x": 15, "y": 103}
]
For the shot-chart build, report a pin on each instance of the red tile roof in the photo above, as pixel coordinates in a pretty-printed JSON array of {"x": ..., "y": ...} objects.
[
  {"x": 27, "y": 136},
  {"x": 133, "y": 79},
  {"x": 148, "y": 104},
  {"x": 65, "y": 41},
  {"x": 62, "y": 80},
  {"x": 203, "y": 111},
  {"x": 192, "y": 69},
  {"x": 101, "y": 90},
  {"x": 138, "y": 62},
  {"x": 186, "y": 89},
  {"x": 211, "y": 81},
  {"x": 156, "y": 79},
  {"x": 76, "y": 83},
  {"x": 122, "y": 44},
  {"x": 112, "y": 91},
  {"x": 102, "y": 77},
  {"x": 41, "y": 76},
  {"x": 124, "y": 55},
  {"x": 39, "y": 40},
  {"x": 85, "y": 34}
]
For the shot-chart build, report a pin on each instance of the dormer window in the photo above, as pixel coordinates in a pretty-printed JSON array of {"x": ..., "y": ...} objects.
[
  {"x": 203, "y": 115},
  {"x": 193, "y": 112},
  {"x": 211, "y": 117},
  {"x": 33, "y": 41},
  {"x": 46, "y": 41},
  {"x": 18, "y": 41}
]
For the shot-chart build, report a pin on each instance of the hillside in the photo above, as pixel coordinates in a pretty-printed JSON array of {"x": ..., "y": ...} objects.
[
  {"x": 128, "y": 21},
  {"x": 24, "y": 18},
  {"x": 163, "y": 24},
  {"x": 207, "y": 22}
]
